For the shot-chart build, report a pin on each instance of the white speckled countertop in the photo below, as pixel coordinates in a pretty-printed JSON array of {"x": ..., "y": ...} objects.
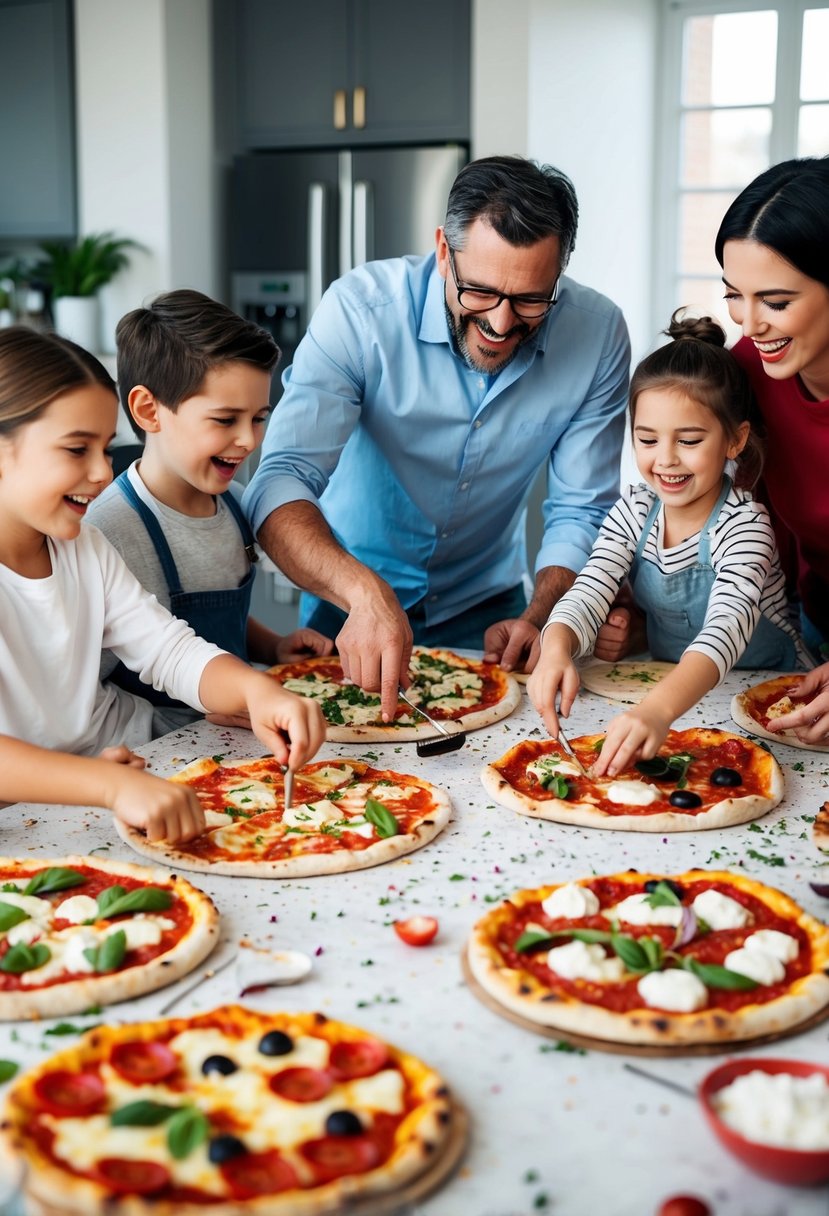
[{"x": 552, "y": 1131}]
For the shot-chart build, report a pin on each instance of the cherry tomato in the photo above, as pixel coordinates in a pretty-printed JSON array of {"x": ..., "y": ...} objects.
[
  {"x": 128, "y": 1176},
  {"x": 333, "y": 1156},
  {"x": 357, "y": 1058},
  {"x": 258, "y": 1174},
  {"x": 301, "y": 1084},
  {"x": 70, "y": 1093},
  {"x": 143, "y": 1062},
  {"x": 417, "y": 930},
  {"x": 684, "y": 1205}
]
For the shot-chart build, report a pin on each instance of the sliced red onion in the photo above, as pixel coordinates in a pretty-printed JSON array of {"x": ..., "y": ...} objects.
[
  {"x": 687, "y": 927},
  {"x": 820, "y": 888}
]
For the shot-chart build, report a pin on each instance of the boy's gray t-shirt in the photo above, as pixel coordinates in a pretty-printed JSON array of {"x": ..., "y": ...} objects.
[{"x": 209, "y": 555}]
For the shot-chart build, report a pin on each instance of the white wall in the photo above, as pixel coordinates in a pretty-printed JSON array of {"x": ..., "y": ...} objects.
[{"x": 145, "y": 142}]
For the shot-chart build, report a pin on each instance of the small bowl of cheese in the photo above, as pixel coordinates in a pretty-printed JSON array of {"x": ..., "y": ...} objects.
[{"x": 773, "y": 1115}]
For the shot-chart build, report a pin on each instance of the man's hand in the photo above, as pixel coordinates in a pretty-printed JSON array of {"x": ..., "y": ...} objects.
[
  {"x": 624, "y": 632},
  {"x": 809, "y": 722},
  {"x": 513, "y": 644},
  {"x": 301, "y": 643},
  {"x": 635, "y": 735},
  {"x": 375, "y": 645}
]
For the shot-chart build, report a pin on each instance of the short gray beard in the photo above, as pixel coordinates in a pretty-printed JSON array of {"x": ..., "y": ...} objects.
[{"x": 458, "y": 330}]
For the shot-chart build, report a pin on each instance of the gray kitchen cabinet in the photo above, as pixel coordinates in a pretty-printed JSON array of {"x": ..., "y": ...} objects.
[
  {"x": 37, "y": 144},
  {"x": 351, "y": 72}
]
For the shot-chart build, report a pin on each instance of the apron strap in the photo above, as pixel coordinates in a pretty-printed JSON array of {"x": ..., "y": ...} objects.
[
  {"x": 243, "y": 525},
  {"x": 705, "y": 534},
  {"x": 154, "y": 528},
  {"x": 649, "y": 521}
]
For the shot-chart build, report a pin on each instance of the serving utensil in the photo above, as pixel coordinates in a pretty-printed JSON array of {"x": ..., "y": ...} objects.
[
  {"x": 289, "y": 790},
  {"x": 568, "y": 747},
  {"x": 205, "y": 975},
  {"x": 258, "y": 968},
  {"x": 448, "y": 740}
]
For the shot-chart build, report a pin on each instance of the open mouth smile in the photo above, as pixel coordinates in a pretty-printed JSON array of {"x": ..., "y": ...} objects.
[
  {"x": 770, "y": 352},
  {"x": 225, "y": 466},
  {"x": 78, "y": 502}
]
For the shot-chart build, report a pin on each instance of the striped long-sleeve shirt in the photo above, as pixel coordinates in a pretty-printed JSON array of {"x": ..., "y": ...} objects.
[{"x": 749, "y": 581}]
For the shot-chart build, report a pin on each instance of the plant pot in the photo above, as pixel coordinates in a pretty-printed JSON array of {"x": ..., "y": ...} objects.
[{"x": 78, "y": 318}]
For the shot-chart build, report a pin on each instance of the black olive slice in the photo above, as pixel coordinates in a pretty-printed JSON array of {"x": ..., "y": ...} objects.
[
  {"x": 343, "y": 1123},
  {"x": 685, "y": 799},
  {"x": 276, "y": 1043},
  {"x": 656, "y": 767},
  {"x": 222, "y": 1064},
  {"x": 224, "y": 1148},
  {"x": 653, "y": 883},
  {"x": 726, "y": 776}
]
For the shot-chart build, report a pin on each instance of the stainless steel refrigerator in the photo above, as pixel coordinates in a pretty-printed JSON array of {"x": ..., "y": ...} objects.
[{"x": 299, "y": 220}]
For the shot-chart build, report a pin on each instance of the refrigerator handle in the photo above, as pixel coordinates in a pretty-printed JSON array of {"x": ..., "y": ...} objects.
[
  {"x": 363, "y": 223},
  {"x": 316, "y": 245}
]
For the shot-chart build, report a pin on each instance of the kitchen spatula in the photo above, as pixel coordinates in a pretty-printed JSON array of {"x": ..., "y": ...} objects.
[{"x": 446, "y": 741}]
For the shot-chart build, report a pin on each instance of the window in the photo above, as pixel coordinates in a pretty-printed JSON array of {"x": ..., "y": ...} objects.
[{"x": 745, "y": 84}]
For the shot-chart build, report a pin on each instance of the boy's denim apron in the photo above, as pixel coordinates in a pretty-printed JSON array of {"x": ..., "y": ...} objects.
[
  {"x": 217, "y": 616},
  {"x": 676, "y": 604}
]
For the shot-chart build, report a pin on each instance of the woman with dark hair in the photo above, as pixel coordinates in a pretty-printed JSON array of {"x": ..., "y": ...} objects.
[{"x": 773, "y": 246}]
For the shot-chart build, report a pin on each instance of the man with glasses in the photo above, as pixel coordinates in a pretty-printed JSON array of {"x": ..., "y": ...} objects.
[{"x": 425, "y": 397}]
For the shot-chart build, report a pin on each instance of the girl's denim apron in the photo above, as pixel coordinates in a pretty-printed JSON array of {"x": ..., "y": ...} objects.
[
  {"x": 676, "y": 604},
  {"x": 220, "y": 617}
]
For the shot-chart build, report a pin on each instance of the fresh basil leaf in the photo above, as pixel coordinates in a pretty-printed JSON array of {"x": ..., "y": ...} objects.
[
  {"x": 662, "y": 896},
  {"x": 655, "y": 767},
  {"x": 591, "y": 935},
  {"x": 629, "y": 950},
  {"x": 715, "y": 976},
  {"x": 382, "y": 818},
  {"x": 66, "y": 1028},
  {"x": 108, "y": 955},
  {"x": 598, "y": 745},
  {"x": 56, "y": 878},
  {"x": 187, "y": 1129},
  {"x": 332, "y": 712},
  {"x": 115, "y": 901},
  {"x": 11, "y": 916},
  {"x": 142, "y": 1114},
  {"x": 22, "y": 958},
  {"x": 529, "y": 939},
  {"x": 556, "y": 784},
  {"x": 8, "y": 1068},
  {"x": 653, "y": 949},
  {"x": 11, "y": 886},
  {"x": 532, "y": 937}
]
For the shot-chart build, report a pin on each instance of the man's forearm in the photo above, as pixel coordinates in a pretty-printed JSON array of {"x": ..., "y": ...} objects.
[
  {"x": 551, "y": 582},
  {"x": 297, "y": 537}
]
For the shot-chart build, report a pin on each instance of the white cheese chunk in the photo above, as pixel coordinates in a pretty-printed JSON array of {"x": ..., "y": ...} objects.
[
  {"x": 755, "y": 965},
  {"x": 312, "y": 815},
  {"x": 779, "y": 709},
  {"x": 251, "y": 796},
  {"x": 216, "y": 819},
  {"x": 675, "y": 990},
  {"x": 330, "y": 775},
  {"x": 547, "y": 766},
  {"x": 67, "y": 955},
  {"x": 585, "y": 961},
  {"x": 138, "y": 932},
  {"x": 778, "y": 1109},
  {"x": 38, "y": 909},
  {"x": 633, "y": 793},
  {"x": 27, "y": 931},
  {"x": 780, "y": 945},
  {"x": 361, "y": 827},
  {"x": 320, "y": 689},
  {"x": 77, "y": 909},
  {"x": 720, "y": 911},
  {"x": 635, "y": 910},
  {"x": 571, "y": 900}
]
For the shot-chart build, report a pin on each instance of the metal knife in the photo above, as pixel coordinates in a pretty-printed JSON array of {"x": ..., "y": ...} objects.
[
  {"x": 567, "y": 746},
  {"x": 289, "y": 789}
]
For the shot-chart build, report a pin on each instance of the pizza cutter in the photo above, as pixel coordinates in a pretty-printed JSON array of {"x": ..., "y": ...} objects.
[{"x": 447, "y": 740}]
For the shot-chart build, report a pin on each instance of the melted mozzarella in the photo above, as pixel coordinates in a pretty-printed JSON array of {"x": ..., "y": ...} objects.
[
  {"x": 780, "y": 945},
  {"x": 585, "y": 961},
  {"x": 77, "y": 908},
  {"x": 720, "y": 911},
  {"x": 38, "y": 909},
  {"x": 251, "y": 796},
  {"x": 312, "y": 815},
  {"x": 779, "y": 709},
  {"x": 636, "y": 910},
  {"x": 675, "y": 990},
  {"x": 571, "y": 900},
  {"x": 633, "y": 793},
  {"x": 756, "y": 965},
  {"x": 321, "y": 689},
  {"x": 547, "y": 766}
]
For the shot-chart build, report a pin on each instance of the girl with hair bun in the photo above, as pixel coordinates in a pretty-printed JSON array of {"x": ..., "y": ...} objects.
[{"x": 698, "y": 550}]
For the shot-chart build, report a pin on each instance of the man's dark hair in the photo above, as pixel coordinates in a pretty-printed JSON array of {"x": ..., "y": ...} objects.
[
  {"x": 523, "y": 201},
  {"x": 171, "y": 345}
]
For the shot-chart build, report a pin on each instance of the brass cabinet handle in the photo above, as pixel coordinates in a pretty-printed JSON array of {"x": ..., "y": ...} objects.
[
  {"x": 339, "y": 110},
  {"x": 359, "y": 107}
]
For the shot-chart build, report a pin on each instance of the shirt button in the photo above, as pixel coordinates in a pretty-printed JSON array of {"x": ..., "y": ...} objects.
[
  {"x": 433, "y": 598},
  {"x": 444, "y": 535},
  {"x": 478, "y": 424},
  {"x": 464, "y": 485},
  {"x": 481, "y": 383}
]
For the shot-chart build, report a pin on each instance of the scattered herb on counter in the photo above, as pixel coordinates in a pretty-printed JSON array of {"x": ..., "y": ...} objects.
[
  {"x": 8, "y": 1068},
  {"x": 773, "y": 859}
]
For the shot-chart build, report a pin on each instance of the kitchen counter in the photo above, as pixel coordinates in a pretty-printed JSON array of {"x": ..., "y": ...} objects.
[{"x": 552, "y": 1130}]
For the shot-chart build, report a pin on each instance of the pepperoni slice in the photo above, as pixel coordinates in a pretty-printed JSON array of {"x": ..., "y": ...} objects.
[
  {"x": 302, "y": 1084},
  {"x": 333, "y": 1156},
  {"x": 258, "y": 1174},
  {"x": 70, "y": 1093},
  {"x": 143, "y": 1062},
  {"x": 129, "y": 1176},
  {"x": 357, "y": 1058}
]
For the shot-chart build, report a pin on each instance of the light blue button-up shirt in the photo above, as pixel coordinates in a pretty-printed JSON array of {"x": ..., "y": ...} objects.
[{"x": 421, "y": 465}]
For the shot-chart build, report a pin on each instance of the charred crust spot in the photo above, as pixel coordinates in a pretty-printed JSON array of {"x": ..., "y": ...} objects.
[
  {"x": 719, "y": 1021},
  {"x": 165, "y": 962},
  {"x": 442, "y": 1091},
  {"x": 660, "y": 1024},
  {"x": 427, "y": 1147},
  {"x": 551, "y": 996},
  {"x": 320, "y": 1019},
  {"x": 444, "y": 1117},
  {"x": 95, "y": 1040},
  {"x": 524, "y": 989}
]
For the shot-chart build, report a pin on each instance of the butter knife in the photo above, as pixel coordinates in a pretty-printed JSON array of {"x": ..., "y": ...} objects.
[
  {"x": 568, "y": 747},
  {"x": 289, "y": 789}
]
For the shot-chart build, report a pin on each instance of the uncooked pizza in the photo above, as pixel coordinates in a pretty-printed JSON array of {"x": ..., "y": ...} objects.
[
  {"x": 820, "y": 828},
  {"x": 628, "y": 682},
  {"x": 755, "y": 707},
  {"x": 81, "y": 931},
  {"x": 345, "y": 815},
  {"x": 450, "y": 688},
  {"x": 230, "y": 1112},
  {"x": 700, "y": 778},
  {"x": 702, "y": 957}
]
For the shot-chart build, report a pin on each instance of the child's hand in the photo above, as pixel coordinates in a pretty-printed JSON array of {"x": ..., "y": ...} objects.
[
  {"x": 554, "y": 671},
  {"x": 163, "y": 810},
  {"x": 634, "y": 735},
  {"x": 302, "y": 642},
  {"x": 277, "y": 715},
  {"x": 122, "y": 755},
  {"x": 809, "y": 722}
]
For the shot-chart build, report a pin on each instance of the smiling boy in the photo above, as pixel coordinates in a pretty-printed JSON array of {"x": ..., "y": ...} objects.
[{"x": 195, "y": 379}]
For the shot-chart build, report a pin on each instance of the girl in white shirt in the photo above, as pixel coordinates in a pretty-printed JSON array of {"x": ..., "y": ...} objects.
[
  {"x": 699, "y": 552},
  {"x": 65, "y": 594}
]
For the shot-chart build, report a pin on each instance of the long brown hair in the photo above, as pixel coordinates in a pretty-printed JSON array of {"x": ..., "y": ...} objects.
[{"x": 35, "y": 368}]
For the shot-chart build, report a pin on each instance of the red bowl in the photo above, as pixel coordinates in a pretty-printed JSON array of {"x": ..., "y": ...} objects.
[{"x": 794, "y": 1166}]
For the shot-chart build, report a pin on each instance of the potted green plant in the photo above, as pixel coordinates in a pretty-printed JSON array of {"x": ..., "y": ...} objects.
[{"x": 74, "y": 273}]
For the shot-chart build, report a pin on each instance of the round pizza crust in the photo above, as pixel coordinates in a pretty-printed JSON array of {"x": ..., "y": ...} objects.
[
  {"x": 434, "y": 1140},
  {"x": 726, "y": 813},
  {"x": 820, "y": 828},
  {"x": 76, "y": 995},
  {"x": 628, "y": 682},
  {"x": 522, "y": 994},
  {"x": 304, "y": 865},
  {"x": 741, "y": 712}
]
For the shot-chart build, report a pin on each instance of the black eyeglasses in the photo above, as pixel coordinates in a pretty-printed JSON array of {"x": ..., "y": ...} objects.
[{"x": 484, "y": 299}]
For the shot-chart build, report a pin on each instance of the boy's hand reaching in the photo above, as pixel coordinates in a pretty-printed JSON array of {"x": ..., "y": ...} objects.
[
  {"x": 300, "y": 643},
  {"x": 163, "y": 810},
  {"x": 555, "y": 673},
  {"x": 277, "y": 716},
  {"x": 122, "y": 755},
  {"x": 634, "y": 735}
]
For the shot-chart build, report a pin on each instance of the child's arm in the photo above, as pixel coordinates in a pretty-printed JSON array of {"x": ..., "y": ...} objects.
[
  {"x": 640, "y": 731},
  {"x": 268, "y": 648},
  {"x": 34, "y": 774},
  {"x": 554, "y": 670}
]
